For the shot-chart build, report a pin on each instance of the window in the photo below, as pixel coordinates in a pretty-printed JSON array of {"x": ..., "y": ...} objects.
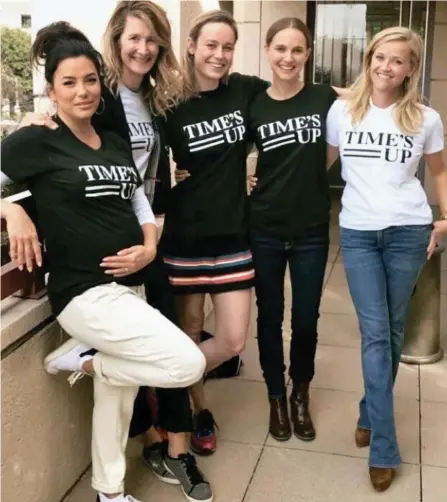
[
  {"x": 344, "y": 29},
  {"x": 26, "y": 21}
]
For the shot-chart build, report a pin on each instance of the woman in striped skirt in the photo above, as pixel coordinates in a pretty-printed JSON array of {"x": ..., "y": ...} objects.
[{"x": 205, "y": 237}]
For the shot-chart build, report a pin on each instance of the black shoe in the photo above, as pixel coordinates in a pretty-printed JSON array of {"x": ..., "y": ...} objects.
[
  {"x": 279, "y": 423},
  {"x": 194, "y": 485},
  {"x": 299, "y": 412}
]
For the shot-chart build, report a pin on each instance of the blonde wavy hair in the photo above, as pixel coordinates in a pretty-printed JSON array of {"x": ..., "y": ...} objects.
[
  {"x": 212, "y": 16},
  {"x": 162, "y": 86},
  {"x": 408, "y": 112}
]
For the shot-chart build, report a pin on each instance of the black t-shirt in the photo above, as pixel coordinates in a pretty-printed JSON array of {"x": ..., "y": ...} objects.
[
  {"x": 292, "y": 191},
  {"x": 83, "y": 199},
  {"x": 208, "y": 138}
]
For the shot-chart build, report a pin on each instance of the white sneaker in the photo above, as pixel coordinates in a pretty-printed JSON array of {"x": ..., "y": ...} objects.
[
  {"x": 120, "y": 498},
  {"x": 68, "y": 357}
]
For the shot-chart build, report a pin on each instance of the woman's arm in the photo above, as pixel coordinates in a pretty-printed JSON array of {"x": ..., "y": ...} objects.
[
  {"x": 24, "y": 246},
  {"x": 131, "y": 260},
  {"x": 438, "y": 171},
  {"x": 331, "y": 155},
  {"x": 146, "y": 218}
]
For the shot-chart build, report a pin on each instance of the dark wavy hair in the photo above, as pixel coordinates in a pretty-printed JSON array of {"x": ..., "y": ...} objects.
[{"x": 59, "y": 41}]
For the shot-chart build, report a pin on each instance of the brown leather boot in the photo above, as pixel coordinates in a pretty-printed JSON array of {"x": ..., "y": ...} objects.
[
  {"x": 279, "y": 426},
  {"x": 381, "y": 478},
  {"x": 299, "y": 412},
  {"x": 362, "y": 437}
]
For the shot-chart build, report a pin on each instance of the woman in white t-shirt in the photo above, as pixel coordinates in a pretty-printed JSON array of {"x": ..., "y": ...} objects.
[{"x": 381, "y": 132}]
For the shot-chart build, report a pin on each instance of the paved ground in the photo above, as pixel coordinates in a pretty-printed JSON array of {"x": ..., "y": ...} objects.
[{"x": 250, "y": 467}]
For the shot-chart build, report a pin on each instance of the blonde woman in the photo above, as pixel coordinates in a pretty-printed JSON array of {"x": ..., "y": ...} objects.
[
  {"x": 381, "y": 133},
  {"x": 205, "y": 237},
  {"x": 142, "y": 77}
]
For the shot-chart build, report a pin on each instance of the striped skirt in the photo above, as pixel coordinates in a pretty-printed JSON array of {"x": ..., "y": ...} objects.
[{"x": 215, "y": 264}]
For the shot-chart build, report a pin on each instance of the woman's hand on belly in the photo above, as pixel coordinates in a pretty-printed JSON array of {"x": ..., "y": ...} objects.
[{"x": 128, "y": 261}]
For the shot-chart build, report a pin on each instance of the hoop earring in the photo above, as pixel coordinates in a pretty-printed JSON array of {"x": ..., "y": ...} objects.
[{"x": 103, "y": 107}]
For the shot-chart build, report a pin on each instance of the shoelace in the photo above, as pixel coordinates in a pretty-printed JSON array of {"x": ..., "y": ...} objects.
[
  {"x": 192, "y": 471},
  {"x": 205, "y": 423},
  {"x": 75, "y": 376}
]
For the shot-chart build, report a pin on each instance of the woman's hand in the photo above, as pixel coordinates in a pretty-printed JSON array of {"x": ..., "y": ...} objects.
[
  {"x": 438, "y": 233},
  {"x": 181, "y": 175},
  {"x": 24, "y": 245},
  {"x": 129, "y": 261},
  {"x": 39, "y": 119},
  {"x": 252, "y": 182}
]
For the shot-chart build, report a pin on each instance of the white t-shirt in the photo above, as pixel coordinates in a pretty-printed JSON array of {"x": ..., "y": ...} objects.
[
  {"x": 379, "y": 166},
  {"x": 141, "y": 131}
]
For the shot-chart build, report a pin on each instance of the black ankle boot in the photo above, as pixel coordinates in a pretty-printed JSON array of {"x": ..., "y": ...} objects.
[
  {"x": 299, "y": 411},
  {"x": 279, "y": 423}
]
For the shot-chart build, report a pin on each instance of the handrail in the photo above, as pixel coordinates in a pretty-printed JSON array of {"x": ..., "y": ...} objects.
[{"x": 17, "y": 282}]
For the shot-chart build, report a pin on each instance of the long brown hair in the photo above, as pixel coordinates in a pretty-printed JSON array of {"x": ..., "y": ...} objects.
[
  {"x": 212, "y": 16},
  {"x": 162, "y": 86}
]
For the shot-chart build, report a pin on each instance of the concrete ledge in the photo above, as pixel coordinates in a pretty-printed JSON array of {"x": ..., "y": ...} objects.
[
  {"x": 46, "y": 426},
  {"x": 19, "y": 317}
]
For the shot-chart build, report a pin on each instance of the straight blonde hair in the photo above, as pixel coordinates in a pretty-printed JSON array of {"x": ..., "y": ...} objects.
[
  {"x": 408, "y": 113},
  {"x": 212, "y": 16},
  {"x": 162, "y": 86}
]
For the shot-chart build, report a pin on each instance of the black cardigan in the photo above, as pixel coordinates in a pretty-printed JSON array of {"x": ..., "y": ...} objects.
[{"x": 113, "y": 118}]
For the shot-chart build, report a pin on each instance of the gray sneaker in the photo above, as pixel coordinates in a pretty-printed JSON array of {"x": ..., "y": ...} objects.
[
  {"x": 194, "y": 485},
  {"x": 153, "y": 457}
]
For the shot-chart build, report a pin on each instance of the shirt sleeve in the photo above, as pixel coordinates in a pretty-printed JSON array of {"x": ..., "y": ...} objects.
[
  {"x": 142, "y": 208},
  {"x": 332, "y": 124},
  {"x": 434, "y": 134},
  {"x": 23, "y": 153}
]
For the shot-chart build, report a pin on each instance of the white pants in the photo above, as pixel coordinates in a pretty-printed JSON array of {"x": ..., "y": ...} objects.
[{"x": 136, "y": 346}]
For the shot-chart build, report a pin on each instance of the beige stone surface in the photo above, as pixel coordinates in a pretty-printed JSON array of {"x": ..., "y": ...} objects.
[
  {"x": 20, "y": 317},
  {"x": 246, "y": 56},
  {"x": 285, "y": 475},
  {"x": 439, "y": 61},
  {"x": 433, "y": 434},
  {"x": 438, "y": 97},
  {"x": 247, "y": 11},
  {"x": 45, "y": 424},
  {"x": 433, "y": 482},
  {"x": 441, "y": 11},
  {"x": 434, "y": 381}
]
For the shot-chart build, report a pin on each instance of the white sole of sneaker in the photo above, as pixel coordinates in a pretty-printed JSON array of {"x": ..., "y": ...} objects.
[
  {"x": 62, "y": 350},
  {"x": 168, "y": 481},
  {"x": 196, "y": 500},
  {"x": 185, "y": 494}
]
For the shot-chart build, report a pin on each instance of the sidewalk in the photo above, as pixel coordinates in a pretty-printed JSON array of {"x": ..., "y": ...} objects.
[{"x": 250, "y": 467}]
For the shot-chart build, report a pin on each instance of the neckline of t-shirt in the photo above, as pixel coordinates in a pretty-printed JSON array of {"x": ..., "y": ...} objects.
[
  {"x": 305, "y": 86},
  {"x": 389, "y": 108},
  {"x": 122, "y": 87},
  {"x": 222, "y": 84},
  {"x": 63, "y": 125}
]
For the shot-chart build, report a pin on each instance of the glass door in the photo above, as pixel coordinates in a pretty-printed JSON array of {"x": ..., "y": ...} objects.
[{"x": 342, "y": 31}]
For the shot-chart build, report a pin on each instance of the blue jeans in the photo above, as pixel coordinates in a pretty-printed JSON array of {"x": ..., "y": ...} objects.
[
  {"x": 307, "y": 257},
  {"x": 382, "y": 268}
]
